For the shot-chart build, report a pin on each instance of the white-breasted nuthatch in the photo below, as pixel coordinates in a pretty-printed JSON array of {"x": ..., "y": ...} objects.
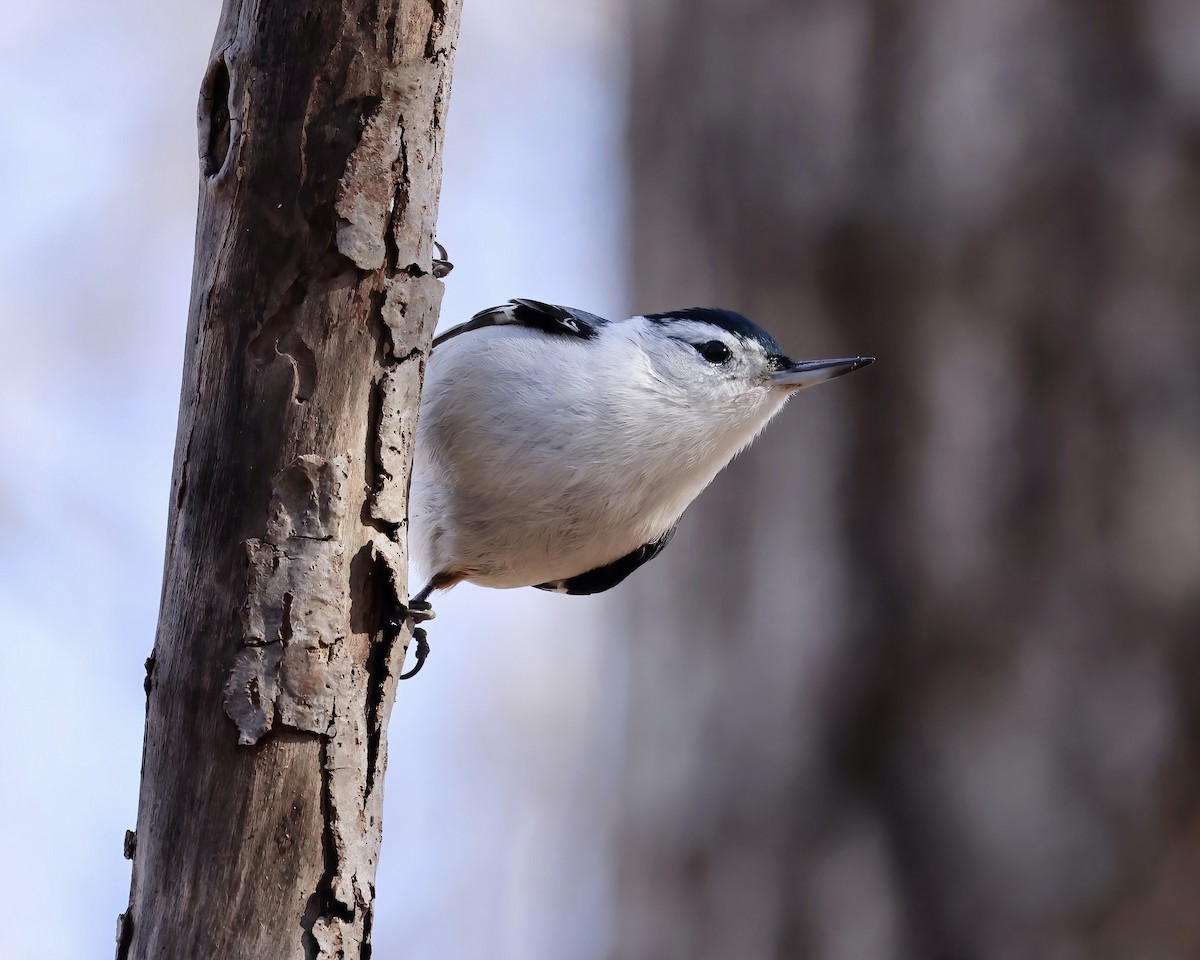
[{"x": 558, "y": 450}]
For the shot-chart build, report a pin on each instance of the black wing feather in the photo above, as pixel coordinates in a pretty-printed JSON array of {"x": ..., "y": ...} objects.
[
  {"x": 547, "y": 317},
  {"x": 607, "y": 577}
]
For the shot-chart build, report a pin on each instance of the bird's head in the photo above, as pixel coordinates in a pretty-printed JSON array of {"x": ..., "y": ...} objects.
[
  {"x": 719, "y": 359},
  {"x": 712, "y": 379}
]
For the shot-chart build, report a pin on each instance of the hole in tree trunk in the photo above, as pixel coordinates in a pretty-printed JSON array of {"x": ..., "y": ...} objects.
[{"x": 213, "y": 118}]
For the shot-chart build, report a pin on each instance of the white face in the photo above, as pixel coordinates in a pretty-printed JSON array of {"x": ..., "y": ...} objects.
[{"x": 719, "y": 372}]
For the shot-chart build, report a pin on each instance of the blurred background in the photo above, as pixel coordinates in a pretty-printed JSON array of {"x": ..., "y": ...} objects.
[{"x": 920, "y": 677}]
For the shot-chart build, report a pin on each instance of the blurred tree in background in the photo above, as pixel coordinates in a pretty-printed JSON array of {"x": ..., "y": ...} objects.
[{"x": 920, "y": 677}]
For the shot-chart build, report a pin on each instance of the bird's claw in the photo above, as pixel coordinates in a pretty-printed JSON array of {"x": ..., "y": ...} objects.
[
  {"x": 415, "y": 611},
  {"x": 441, "y": 263},
  {"x": 422, "y": 652}
]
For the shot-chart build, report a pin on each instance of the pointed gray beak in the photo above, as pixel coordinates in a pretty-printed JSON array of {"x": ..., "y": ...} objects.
[{"x": 807, "y": 372}]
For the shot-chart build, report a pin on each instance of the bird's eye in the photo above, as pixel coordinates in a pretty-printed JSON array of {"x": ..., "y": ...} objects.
[{"x": 714, "y": 351}]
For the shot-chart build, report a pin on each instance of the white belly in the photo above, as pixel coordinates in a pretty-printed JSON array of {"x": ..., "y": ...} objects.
[{"x": 514, "y": 486}]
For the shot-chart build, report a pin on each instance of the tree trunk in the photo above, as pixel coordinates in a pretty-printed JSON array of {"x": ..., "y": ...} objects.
[
  {"x": 947, "y": 703},
  {"x": 313, "y": 304}
]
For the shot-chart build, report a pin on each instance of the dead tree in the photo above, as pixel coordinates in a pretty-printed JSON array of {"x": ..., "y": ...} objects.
[{"x": 313, "y": 303}]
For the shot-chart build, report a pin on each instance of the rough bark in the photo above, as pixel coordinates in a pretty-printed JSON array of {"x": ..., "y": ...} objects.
[
  {"x": 948, "y": 704},
  {"x": 313, "y": 304}
]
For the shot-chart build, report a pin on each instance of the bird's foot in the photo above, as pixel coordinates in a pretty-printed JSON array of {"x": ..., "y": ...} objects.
[
  {"x": 441, "y": 263},
  {"x": 419, "y": 611},
  {"x": 422, "y": 652},
  {"x": 416, "y": 611}
]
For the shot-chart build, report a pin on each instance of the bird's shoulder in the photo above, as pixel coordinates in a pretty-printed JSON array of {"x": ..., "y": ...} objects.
[{"x": 549, "y": 318}]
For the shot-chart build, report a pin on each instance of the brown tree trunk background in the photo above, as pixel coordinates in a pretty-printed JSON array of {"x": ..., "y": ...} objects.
[
  {"x": 313, "y": 303},
  {"x": 947, "y": 704}
]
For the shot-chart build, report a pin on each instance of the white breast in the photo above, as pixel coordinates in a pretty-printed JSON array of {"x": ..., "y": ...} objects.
[{"x": 540, "y": 458}]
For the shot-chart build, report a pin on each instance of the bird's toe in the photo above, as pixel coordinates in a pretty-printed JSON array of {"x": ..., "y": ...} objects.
[{"x": 419, "y": 611}]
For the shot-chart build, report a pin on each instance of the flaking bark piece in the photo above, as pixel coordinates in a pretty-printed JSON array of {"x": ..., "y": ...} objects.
[
  {"x": 296, "y": 608},
  {"x": 397, "y": 426},
  {"x": 407, "y": 296}
]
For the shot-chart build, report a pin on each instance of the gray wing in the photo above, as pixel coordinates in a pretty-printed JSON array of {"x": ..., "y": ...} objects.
[
  {"x": 608, "y": 576},
  {"x": 547, "y": 317}
]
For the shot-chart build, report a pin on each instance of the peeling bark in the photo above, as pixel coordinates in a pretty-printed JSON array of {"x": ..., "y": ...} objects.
[
  {"x": 313, "y": 304},
  {"x": 293, "y": 670}
]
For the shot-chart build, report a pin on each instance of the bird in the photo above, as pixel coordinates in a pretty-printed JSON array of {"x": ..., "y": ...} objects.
[{"x": 559, "y": 450}]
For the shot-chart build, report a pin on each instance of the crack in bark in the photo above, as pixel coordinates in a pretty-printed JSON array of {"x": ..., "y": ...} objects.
[
  {"x": 399, "y": 205},
  {"x": 379, "y": 665},
  {"x": 285, "y": 623},
  {"x": 377, "y": 475},
  {"x": 185, "y": 462},
  {"x": 183, "y": 474},
  {"x": 394, "y": 436},
  {"x": 324, "y": 912},
  {"x": 366, "y": 948},
  {"x": 364, "y": 191},
  {"x": 389, "y": 31},
  {"x": 387, "y": 323}
]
